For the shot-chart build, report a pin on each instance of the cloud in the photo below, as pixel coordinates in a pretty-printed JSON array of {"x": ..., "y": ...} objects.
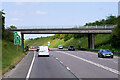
[
  {"x": 14, "y": 19},
  {"x": 41, "y": 12}
]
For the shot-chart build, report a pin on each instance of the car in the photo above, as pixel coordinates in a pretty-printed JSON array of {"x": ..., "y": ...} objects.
[
  {"x": 37, "y": 47},
  {"x": 105, "y": 53},
  {"x": 60, "y": 47},
  {"x": 32, "y": 48},
  {"x": 72, "y": 48},
  {"x": 43, "y": 51}
]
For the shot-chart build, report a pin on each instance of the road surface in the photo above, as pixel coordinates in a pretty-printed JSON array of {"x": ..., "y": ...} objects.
[{"x": 64, "y": 64}]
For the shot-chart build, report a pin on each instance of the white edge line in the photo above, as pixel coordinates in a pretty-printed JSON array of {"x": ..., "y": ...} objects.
[
  {"x": 29, "y": 71},
  {"x": 96, "y": 64}
]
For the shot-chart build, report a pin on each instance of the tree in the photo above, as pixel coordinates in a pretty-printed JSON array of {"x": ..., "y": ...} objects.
[
  {"x": 111, "y": 20},
  {"x": 102, "y": 22},
  {"x": 12, "y": 27},
  {"x": 115, "y": 36},
  {"x": 2, "y": 20}
]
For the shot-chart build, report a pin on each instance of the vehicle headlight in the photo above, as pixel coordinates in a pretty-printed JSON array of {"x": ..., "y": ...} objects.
[
  {"x": 103, "y": 53},
  {"x": 111, "y": 53}
]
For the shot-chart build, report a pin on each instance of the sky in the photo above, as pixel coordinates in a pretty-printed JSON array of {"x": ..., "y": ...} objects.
[{"x": 55, "y": 14}]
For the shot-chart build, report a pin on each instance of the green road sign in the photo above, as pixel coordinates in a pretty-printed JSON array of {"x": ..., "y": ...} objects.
[
  {"x": 48, "y": 43},
  {"x": 17, "y": 38}
]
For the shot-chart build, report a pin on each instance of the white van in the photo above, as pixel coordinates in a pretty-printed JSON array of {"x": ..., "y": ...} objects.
[{"x": 43, "y": 51}]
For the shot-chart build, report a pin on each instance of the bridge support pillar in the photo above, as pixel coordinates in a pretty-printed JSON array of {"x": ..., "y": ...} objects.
[
  {"x": 22, "y": 40},
  {"x": 91, "y": 41}
]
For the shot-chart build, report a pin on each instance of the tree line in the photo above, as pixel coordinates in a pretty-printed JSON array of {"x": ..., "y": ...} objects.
[
  {"x": 110, "y": 20},
  {"x": 6, "y": 34}
]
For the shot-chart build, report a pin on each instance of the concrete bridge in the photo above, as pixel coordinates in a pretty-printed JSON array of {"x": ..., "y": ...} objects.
[{"x": 83, "y": 30}]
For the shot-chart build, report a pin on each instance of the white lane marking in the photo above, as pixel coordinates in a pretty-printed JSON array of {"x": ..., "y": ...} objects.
[
  {"x": 61, "y": 62},
  {"x": 68, "y": 68},
  {"x": 96, "y": 64},
  {"x": 29, "y": 71},
  {"x": 57, "y": 58}
]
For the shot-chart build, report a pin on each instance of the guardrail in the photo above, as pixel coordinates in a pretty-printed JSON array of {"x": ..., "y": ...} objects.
[
  {"x": 96, "y": 27},
  {"x": 65, "y": 27}
]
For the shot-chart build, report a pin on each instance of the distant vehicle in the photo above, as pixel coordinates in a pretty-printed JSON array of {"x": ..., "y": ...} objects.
[
  {"x": 105, "y": 53},
  {"x": 31, "y": 47},
  {"x": 43, "y": 51},
  {"x": 60, "y": 47},
  {"x": 37, "y": 47},
  {"x": 72, "y": 48}
]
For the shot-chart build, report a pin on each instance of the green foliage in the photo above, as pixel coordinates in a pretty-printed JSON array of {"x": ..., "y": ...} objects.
[
  {"x": 8, "y": 36},
  {"x": 67, "y": 36},
  {"x": 79, "y": 35},
  {"x": 10, "y": 56},
  {"x": 56, "y": 36},
  {"x": 115, "y": 36},
  {"x": 12, "y": 27},
  {"x": 27, "y": 48},
  {"x": 43, "y": 41},
  {"x": 111, "y": 20}
]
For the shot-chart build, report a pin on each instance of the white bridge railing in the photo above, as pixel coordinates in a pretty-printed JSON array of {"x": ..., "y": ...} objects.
[
  {"x": 104, "y": 27},
  {"x": 65, "y": 27}
]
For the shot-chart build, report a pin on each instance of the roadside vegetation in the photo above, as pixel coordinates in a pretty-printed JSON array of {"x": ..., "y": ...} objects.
[{"x": 10, "y": 56}]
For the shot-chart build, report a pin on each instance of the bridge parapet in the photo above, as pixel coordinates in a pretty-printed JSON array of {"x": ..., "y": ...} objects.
[
  {"x": 66, "y": 27},
  {"x": 99, "y": 27}
]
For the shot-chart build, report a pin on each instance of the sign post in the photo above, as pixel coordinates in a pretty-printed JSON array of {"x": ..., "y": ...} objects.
[
  {"x": 48, "y": 43},
  {"x": 17, "y": 39}
]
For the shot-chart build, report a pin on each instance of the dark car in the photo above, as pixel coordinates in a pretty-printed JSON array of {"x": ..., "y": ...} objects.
[
  {"x": 72, "y": 48},
  {"x": 105, "y": 53},
  {"x": 37, "y": 47}
]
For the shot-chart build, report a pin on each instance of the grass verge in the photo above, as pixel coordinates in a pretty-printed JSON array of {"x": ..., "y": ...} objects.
[{"x": 10, "y": 56}]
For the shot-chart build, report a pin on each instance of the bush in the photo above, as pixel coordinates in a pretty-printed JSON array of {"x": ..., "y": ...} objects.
[
  {"x": 115, "y": 36},
  {"x": 67, "y": 36}
]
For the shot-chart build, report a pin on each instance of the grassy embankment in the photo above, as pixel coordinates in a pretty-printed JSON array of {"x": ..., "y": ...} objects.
[
  {"x": 101, "y": 41},
  {"x": 10, "y": 56}
]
